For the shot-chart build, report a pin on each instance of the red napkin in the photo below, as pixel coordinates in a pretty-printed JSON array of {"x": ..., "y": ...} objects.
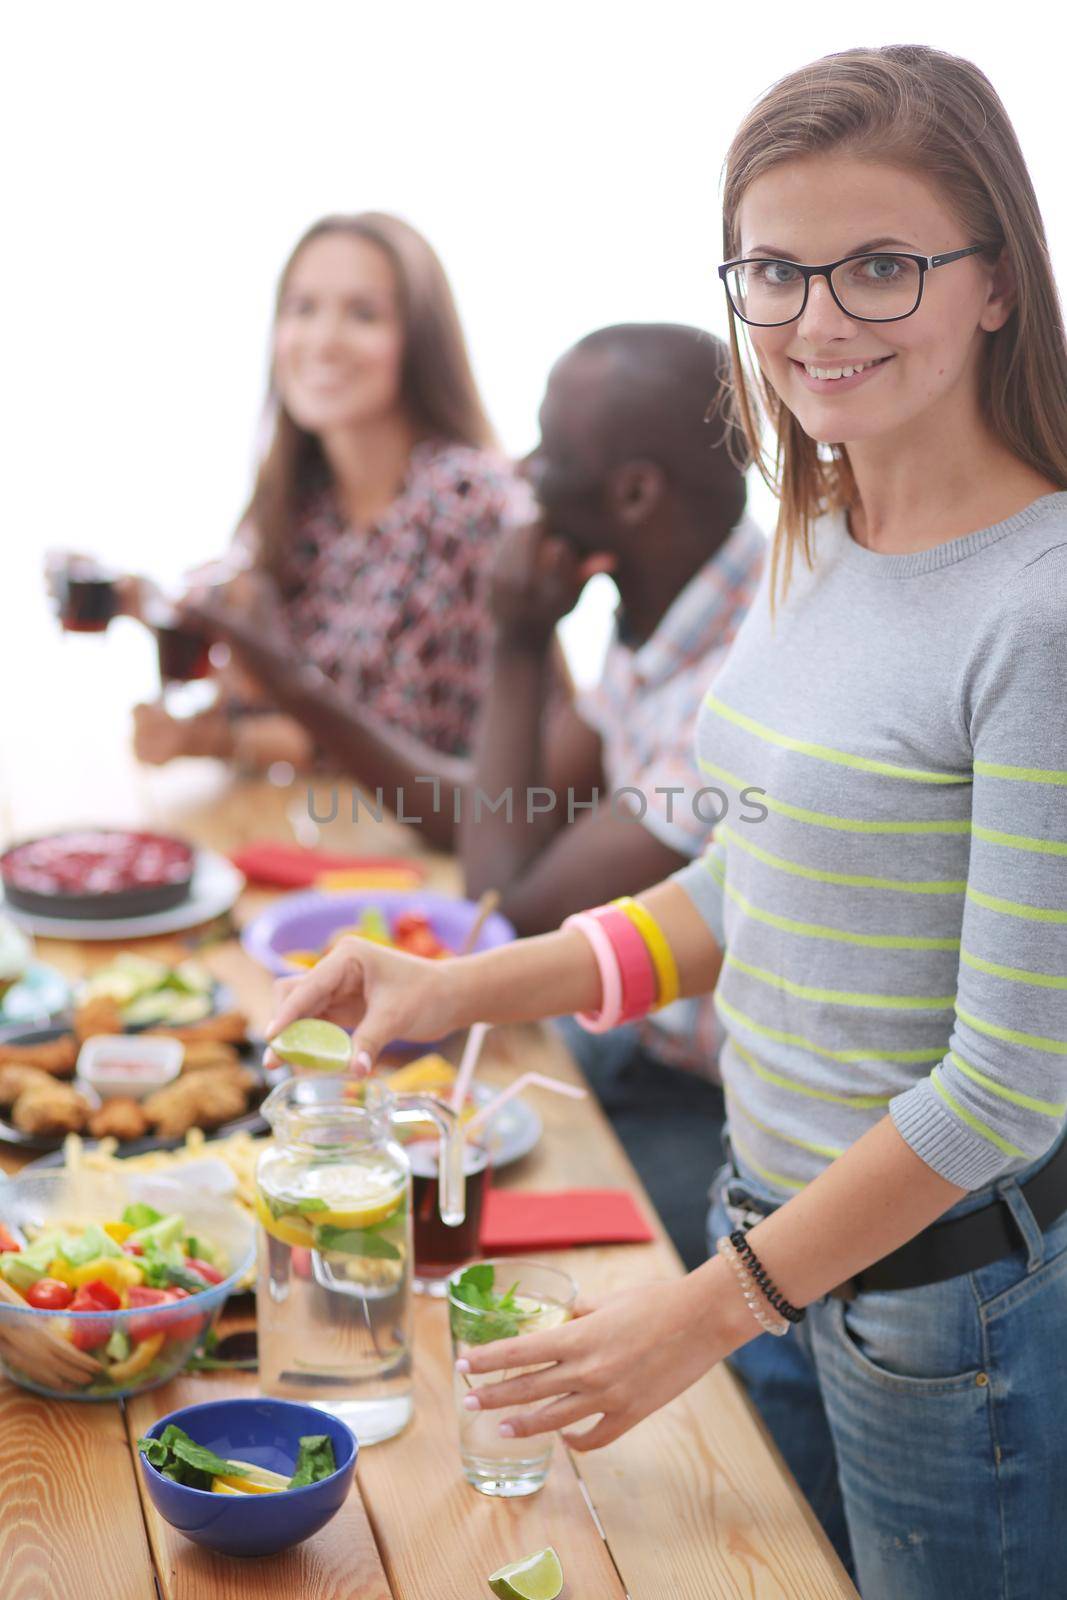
[
  {"x": 516, "y": 1220},
  {"x": 278, "y": 865}
]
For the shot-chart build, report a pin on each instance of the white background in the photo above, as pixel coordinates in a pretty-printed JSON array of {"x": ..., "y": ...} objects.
[{"x": 564, "y": 158}]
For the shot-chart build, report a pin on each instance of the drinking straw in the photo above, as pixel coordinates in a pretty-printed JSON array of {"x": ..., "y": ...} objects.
[
  {"x": 485, "y": 908},
  {"x": 471, "y": 1051},
  {"x": 528, "y": 1080}
]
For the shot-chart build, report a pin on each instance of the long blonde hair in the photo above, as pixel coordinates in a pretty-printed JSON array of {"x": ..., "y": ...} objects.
[
  {"x": 437, "y": 387},
  {"x": 937, "y": 115}
]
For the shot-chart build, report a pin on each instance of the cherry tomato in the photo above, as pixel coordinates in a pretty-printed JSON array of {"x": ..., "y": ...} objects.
[
  {"x": 178, "y": 1328},
  {"x": 48, "y": 1294},
  {"x": 142, "y": 1295},
  {"x": 205, "y": 1269},
  {"x": 96, "y": 1295}
]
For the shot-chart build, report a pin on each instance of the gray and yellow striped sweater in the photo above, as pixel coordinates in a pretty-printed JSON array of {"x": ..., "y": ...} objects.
[{"x": 895, "y": 926}]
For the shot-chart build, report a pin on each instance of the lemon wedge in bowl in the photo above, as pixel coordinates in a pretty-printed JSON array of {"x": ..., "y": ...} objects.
[
  {"x": 252, "y": 1480},
  {"x": 539, "y": 1577}
]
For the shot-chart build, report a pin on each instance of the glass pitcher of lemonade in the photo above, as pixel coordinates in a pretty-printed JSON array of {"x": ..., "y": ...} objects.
[{"x": 333, "y": 1196}]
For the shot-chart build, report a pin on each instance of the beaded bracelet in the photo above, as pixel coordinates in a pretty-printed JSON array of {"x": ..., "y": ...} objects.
[
  {"x": 747, "y": 1284},
  {"x": 773, "y": 1296}
]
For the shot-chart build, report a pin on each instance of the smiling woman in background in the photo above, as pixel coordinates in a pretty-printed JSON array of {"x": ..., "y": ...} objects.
[{"x": 364, "y": 548}]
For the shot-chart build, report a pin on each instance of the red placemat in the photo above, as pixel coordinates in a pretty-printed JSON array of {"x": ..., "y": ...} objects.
[{"x": 514, "y": 1219}]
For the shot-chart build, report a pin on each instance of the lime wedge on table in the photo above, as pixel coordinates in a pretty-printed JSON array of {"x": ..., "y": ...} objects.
[
  {"x": 539, "y": 1577},
  {"x": 313, "y": 1045}
]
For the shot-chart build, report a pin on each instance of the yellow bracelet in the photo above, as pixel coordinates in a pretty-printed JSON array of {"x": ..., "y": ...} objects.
[{"x": 658, "y": 948}]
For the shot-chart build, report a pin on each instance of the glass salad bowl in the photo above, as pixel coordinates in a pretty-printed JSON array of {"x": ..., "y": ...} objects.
[{"x": 109, "y": 1282}]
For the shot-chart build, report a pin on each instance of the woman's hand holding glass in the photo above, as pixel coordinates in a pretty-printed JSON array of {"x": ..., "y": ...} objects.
[{"x": 618, "y": 1360}]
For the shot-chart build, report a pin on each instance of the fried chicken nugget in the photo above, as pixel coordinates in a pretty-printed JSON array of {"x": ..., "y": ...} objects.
[
  {"x": 228, "y": 1027},
  {"x": 56, "y": 1056},
  {"x": 100, "y": 1015},
  {"x": 200, "y": 1100},
  {"x": 203, "y": 1053},
  {"x": 50, "y": 1109},
  {"x": 15, "y": 1078},
  {"x": 120, "y": 1118}
]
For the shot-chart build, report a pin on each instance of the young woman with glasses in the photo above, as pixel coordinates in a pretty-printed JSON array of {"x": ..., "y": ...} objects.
[{"x": 888, "y": 946}]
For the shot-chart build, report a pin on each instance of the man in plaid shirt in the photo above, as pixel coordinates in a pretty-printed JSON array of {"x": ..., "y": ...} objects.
[{"x": 634, "y": 476}]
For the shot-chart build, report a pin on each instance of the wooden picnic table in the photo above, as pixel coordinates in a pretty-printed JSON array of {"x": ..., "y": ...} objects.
[{"x": 694, "y": 1504}]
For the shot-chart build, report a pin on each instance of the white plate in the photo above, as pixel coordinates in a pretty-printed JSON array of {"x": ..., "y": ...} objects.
[
  {"x": 513, "y": 1132},
  {"x": 215, "y": 887}
]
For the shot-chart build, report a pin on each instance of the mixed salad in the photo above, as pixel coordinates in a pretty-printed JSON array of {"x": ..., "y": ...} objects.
[
  {"x": 409, "y": 931},
  {"x": 150, "y": 993},
  {"x": 143, "y": 1262}
]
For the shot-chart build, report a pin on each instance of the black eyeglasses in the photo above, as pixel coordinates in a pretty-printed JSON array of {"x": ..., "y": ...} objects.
[{"x": 878, "y": 287}]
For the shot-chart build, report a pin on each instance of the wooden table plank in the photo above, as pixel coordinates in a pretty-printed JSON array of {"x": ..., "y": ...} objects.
[
  {"x": 68, "y": 1525},
  {"x": 339, "y": 1563}
]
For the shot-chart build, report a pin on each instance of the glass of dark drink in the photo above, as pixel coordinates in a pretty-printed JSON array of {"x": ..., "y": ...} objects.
[
  {"x": 183, "y": 650},
  {"x": 439, "y": 1249},
  {"x": 86, "y": 595}
]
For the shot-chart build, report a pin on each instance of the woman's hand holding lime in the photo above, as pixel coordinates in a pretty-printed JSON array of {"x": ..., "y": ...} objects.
[{"x": 377, "y": 993}]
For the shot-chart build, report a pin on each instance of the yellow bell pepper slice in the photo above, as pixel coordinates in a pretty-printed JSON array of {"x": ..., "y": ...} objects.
[
  {"x": 119, "y": 1231},
  {"x": 428, "y": 1073},
  {"x": 64, "y": 1273},
  {"x": 118, "y": 1272},
  {"x": 302, "y": 958},
  {"x": 139, "y": 1361}
]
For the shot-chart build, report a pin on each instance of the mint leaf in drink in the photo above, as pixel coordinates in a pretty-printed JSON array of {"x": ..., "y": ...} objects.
[
  {"x": 491, "y": 1316},
  {"x": 479, "y": 1278},
  {"x": 279, "y": 1206},
  {"x": 355, "y": 1242},
  {"x": 315, "y": 1460}
]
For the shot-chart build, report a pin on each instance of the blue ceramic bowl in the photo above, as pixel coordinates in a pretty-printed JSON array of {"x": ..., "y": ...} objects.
[{"x": 266, "y": 1433}]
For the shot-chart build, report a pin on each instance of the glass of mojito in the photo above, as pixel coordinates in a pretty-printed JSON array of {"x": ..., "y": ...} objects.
[{"x": 491, "y": 1300}]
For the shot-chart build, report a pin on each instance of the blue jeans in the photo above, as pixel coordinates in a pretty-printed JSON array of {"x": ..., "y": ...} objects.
[{"x": 928, "y": 1427}]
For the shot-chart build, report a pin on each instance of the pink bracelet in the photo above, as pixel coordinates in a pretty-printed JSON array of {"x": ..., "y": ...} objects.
[
  {"x": 610, "y": 979},
  {"x": 640, "y": 984}
]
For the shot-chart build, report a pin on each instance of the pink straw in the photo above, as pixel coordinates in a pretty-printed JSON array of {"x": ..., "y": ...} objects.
[
  {"x": 469, "y": 1060},
  {"x": 527, "y": 1080}
]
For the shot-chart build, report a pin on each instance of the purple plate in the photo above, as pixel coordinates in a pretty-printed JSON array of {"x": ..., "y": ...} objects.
[{"x": 305, "y": 921}]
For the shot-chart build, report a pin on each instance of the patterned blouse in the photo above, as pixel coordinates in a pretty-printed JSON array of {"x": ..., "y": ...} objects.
[{"x": 396, "y": 613}]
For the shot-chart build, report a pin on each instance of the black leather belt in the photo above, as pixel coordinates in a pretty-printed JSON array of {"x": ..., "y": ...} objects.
[{"x": 965, "y": 1244}]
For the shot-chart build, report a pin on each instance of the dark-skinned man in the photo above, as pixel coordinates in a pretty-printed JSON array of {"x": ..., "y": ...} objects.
[{"x": 633, "y": 477}]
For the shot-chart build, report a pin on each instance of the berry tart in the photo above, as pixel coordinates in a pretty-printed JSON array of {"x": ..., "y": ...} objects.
[{"x": 97, "y": 872}]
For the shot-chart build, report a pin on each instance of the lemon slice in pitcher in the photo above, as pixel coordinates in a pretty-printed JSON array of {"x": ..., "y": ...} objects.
[
  {"x": 312, "y": 1045},
  {"x": 290, "y": 1229},
  {"x": 356, "y": 1197},
  {"x": 539, "y": 1577}
]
